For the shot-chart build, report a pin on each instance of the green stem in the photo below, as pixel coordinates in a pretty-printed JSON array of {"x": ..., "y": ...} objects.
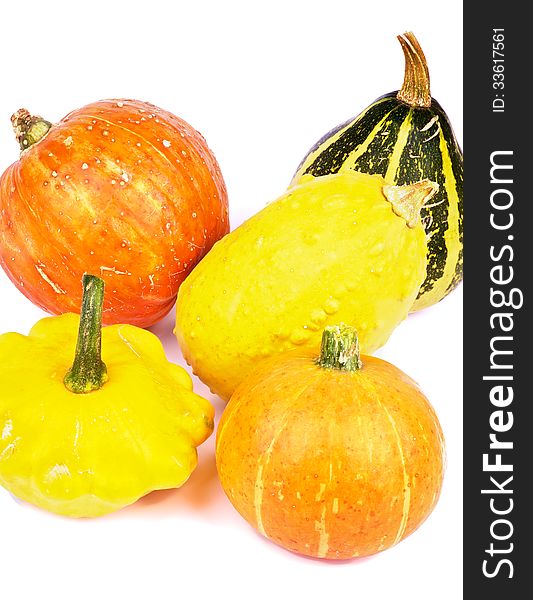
[
  {"x": 29, "y": 129},
  {"x": 88, "y": 372},
  {"x": 340, "y": 348},
  {"x": 415, "y": 89}
]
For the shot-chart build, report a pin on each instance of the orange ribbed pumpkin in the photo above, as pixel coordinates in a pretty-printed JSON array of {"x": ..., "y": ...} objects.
[
  {"x": 119, "y": 188},
  {"x": 331, "y": 458}
]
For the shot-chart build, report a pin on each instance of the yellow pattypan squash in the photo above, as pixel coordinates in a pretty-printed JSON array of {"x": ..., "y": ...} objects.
[{"x": 122, "y": 422}]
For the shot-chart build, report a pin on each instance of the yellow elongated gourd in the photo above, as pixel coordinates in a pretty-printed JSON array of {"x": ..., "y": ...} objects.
[{"x": 345, "y": 247}]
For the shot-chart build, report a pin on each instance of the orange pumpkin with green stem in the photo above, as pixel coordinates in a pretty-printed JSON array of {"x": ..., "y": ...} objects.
[
  {"x": 332, "y": 457},
  {"x": 120, "y": 188}
]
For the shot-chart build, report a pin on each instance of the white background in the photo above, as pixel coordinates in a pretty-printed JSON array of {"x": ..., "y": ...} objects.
[{"x": 262, "y": 82}]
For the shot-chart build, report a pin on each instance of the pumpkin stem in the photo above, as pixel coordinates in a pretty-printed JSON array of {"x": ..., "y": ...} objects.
[
  {"x": 29, "y": 129},
  {"x": 407, "y": 200},
  {"x": 340, "y": 348},
  {"x": 88, "y": 372},
  {"x": 415, "y": 89}
]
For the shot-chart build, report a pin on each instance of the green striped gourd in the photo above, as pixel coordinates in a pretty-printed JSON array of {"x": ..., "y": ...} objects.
[{"x": 405, "y": 136}]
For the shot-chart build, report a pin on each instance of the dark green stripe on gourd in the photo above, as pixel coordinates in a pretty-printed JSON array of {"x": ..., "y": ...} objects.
[
  {"x": 422, "y": 157},
  {"x": 332, "y": 156},
  {"x": 457, "y": 167},
  {"x": 375, "y": 160},
  {"x": 369, "y": 142}
]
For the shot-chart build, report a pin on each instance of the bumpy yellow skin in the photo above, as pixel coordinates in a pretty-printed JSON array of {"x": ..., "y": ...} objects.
[
  {"x": 330, "y": 249},
  {"x": 84, "y": 455}
]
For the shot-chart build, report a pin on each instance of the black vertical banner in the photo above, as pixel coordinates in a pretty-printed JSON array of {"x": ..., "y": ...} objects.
[{"x": 498, "y": 432}]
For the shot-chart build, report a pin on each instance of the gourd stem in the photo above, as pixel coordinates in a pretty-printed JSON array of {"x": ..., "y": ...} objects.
[
  {"x": 340, "y": 348},
  {"x": 407, "y": 200},
  {"x": 29, "y": 129},
  {"x": 415, "y": 89},
  {"x": 88, "y": 371}
]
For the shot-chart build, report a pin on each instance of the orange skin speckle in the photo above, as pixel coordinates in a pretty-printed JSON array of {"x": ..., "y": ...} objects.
[
  {"x": 62, "y": 212},
  {"x": 327, "y": 463}
]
